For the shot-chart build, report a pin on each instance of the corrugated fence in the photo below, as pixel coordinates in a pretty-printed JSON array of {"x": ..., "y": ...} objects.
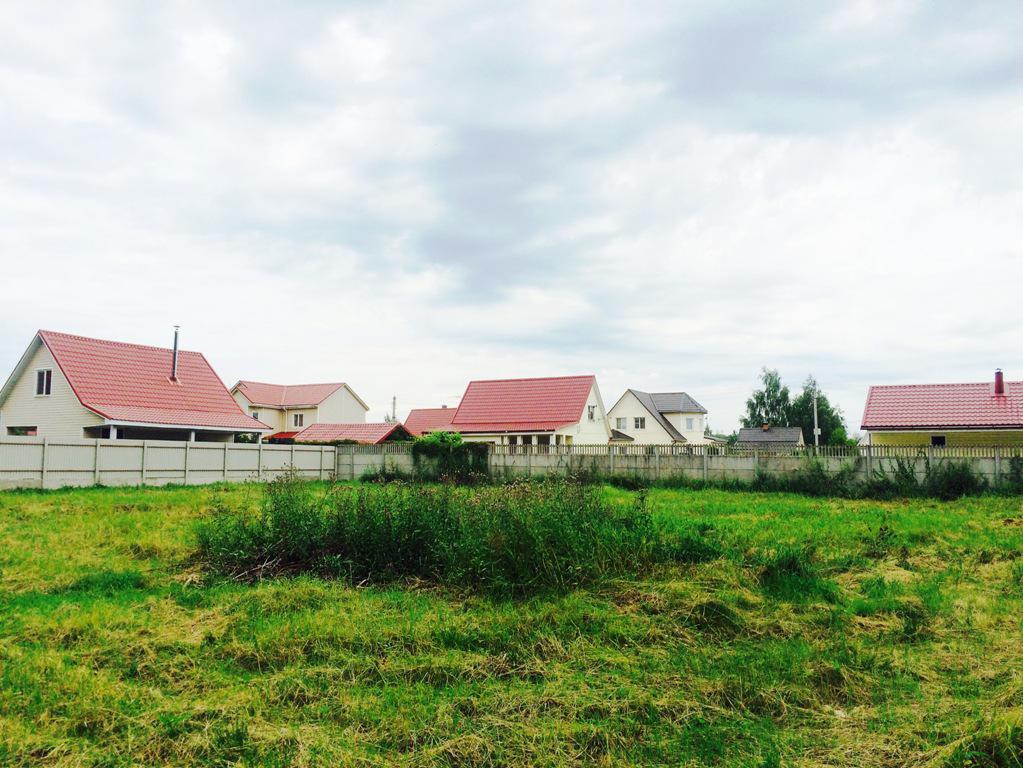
[{"x": 27, "y": 462}]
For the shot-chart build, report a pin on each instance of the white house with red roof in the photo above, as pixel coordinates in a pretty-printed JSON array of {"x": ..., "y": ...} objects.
[
  {"x": 423, "y": 421},
  {"x": 562, "y": 410},
  {"x": 290, "y": 408},
  {"x": 986, "y": 413},
  {"x": 73, "y": 387}
]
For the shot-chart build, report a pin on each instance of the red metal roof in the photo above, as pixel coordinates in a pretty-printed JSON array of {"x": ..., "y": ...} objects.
[
  {"x": 131, "y": 383},
  {"x": 367, "y": 434},
  {"x": 282, "y": 435},
  {"x": 422, "y": 421},
  {"x": 523, "y": 405},
  {"x": 944, "y": 406},
  {"x": 287, "y": 395}
]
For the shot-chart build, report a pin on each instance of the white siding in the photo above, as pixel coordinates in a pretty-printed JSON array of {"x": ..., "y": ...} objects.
[
  {"x": 272, "y": 417},
  {"x": 342, "y": 408},
  {"x": 694, "y": 435},
  {"x": 57, "y": 416},
  {"x": 629, "y": 408}
]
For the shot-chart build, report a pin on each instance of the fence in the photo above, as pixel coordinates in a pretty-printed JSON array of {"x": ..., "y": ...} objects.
[{"x": 38, "y": 463}]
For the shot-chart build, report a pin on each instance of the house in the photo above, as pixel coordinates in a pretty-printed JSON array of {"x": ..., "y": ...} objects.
[
  {"x": 288, "y": 409},
  {"x": 68, "y": 387},
  {"x": 364, "y": 434},
  {"x": 659, "y": 418},
  {"x": 563, "y": 410},
  {"x": 423, "y": 421},
  {"x": 986, "y": 413},
  {"x": 770, "y": 436}
]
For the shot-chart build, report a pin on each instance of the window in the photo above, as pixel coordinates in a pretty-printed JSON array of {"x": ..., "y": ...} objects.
[
  {"x": 639, "y": 422},
  {"x": 592, "y": 410},
  {"x": 299, "y": 419},
  {"x": 938, "y": 441},
  {"x": 689, "y": 424},
  {"x": 620, "y": 422},
  {"x": 22, "y": 431},
  {"x": 43, "y": 381}
]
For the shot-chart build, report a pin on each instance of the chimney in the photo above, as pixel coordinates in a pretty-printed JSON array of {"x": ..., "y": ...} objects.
[
  {"x": 174, "y": 358},
  {"x": 443, "y": 406},
  {"x": 999, "y": 382},
  {"x": 765, "y": 426}
]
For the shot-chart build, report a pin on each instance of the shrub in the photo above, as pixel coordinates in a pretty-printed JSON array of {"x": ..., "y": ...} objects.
[
  {"x": 518, "y": 538},
  {"x": 950, "y": 480},
  {"x": 444, "y": 456}
]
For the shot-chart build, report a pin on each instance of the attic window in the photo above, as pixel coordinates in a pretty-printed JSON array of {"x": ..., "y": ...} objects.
[
  {"x": 620, "y": 422},
  {"x": 639, "y": 422},
  {"x": 44, "y": 380},
  {"x": 938, "y": 441},
  {"x": 593, "y": 412}
]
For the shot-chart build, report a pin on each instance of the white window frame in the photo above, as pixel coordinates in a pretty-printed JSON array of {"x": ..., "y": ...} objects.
[
  {"x": 47, "y": 382},
  {"x": 639, "y": 422},
  {"x": 621, "y": 422},
  {"x": 298, "y": 419},
  {"x": 690, "y": 424},
  {"x": 592, "y": 411},
  {"x": 254, "y": 414}
]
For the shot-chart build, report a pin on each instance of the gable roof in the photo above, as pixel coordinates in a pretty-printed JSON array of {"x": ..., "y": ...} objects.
[
  {"x": 943, "y": 406},
  {"x": 772, "y": 435},
  {"x": 647, "y": 400},
  {"x": 521, "y": 405},
  {"x": 422, "y": 421},
  {"x": 291, "y": 395},
  {"x": 676, "y": 402},
  {"x": 131, "y": 383},
  {"x": 367, "y": 434}
]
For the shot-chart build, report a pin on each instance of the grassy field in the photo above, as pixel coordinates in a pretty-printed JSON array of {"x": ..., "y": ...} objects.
[{"x": 826, "y": 633}]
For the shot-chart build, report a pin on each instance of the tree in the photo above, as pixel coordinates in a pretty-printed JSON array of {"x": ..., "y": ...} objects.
[
  {"x": 829, "y": 418},
  {"x": 770, "y": 405}
]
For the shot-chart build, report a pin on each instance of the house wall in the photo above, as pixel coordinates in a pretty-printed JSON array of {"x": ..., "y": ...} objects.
[
  {"x": 57, "y": 416},
  {"x": 342, "y": 408},
  {"x": 952, "y": 439},
  {"x": 586, "y": 432},
  {"x": 629, "y": 407},
  {"x": 694, "y": 435},
  {"x": 310, "y": 417}
]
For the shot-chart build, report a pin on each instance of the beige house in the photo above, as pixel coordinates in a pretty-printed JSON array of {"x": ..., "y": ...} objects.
[
  {"x": 562, "y": 410},
  {"x": 292, "y": 408},
  {"x": 68, "y": 387},
  {"x": 659, "y": 418}
]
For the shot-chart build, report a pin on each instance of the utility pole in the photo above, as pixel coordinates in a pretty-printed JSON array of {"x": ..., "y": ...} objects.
[{"x": 816, "y": 429}]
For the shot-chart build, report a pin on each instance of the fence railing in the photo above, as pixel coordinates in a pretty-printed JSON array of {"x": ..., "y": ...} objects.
[{"x": 41, "y": 463}]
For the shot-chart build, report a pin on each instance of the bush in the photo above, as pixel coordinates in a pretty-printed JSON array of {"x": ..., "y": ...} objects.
[
  {"x": 518, "y": 538},
  {"x": 444, "y": 456}
]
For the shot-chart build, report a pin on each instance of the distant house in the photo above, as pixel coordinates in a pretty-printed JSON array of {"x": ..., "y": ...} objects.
[
  {"x": 983, "y": 413},
  {"x": 289, "y": 409},
  {"x": 364, "y": 434},
  {"x": 768, "y": 436},
  {"x": 70, "y": 387},
  {"x": 563, "y": 410},
  {"x": 423, "y": 421},
  {"x": 659, "y": 418}
]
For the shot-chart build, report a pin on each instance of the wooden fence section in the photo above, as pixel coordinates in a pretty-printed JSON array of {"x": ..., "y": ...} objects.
[{"x": 27, "y": 462}]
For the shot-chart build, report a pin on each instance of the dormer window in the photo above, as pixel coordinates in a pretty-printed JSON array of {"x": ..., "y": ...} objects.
[
  {"x": 44, "y": 380},
  {"x": 255, "y": 415}
]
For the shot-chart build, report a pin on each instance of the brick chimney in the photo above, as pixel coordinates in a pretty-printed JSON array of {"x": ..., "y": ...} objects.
[{"x": 999, "y": 382}]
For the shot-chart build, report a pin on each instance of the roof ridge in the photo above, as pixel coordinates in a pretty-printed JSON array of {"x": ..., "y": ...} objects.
[
  {"x": 538, "y": 378},
  {"x": 42, "y": 331},
  {"x": 942, "y": 384}
]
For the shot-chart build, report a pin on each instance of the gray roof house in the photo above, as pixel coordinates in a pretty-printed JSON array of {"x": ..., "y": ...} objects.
[
  {"x": 768, "y": 436},
  {"x": 658, "y": 418}
]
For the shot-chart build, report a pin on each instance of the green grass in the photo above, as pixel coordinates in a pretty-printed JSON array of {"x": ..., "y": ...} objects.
[{"x": 800, "y": 632}]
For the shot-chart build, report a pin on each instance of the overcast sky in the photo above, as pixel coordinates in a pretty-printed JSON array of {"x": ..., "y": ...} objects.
[{"x": 408, "y": 196}]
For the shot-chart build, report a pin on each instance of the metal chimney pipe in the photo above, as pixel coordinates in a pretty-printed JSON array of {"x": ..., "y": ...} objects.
[
  {"x": 999, "y": 382},
  {"x": 174, "y": 358}
]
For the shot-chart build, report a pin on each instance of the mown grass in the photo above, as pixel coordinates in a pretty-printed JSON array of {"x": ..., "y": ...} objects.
[{"x": 806, "y": 632}]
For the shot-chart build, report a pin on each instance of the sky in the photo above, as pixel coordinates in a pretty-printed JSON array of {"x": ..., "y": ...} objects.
[{"x": 408, "y": 196}]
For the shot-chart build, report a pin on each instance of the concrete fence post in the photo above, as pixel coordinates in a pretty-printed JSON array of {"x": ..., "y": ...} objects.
[
  {"x": 705, "y": 465},
  {"x": 321, "y": 463},
  {"x": 259, "y": 458},
  {"x": 95, "y": 464},
  {"x": 225, "y": 461},
  {"x": 187, "y": 445},
  {"x": 611, "y": 458},
  {"x": 657, "y": 463},
  {"x": 998, "y": 465},
  {"x": 351, "y": 462},
  {"x": 42, "y": 468},
  {"x": 142, "y": 474},
  {"x": 870, "y": 461},
  {"x": 292, "y": 455}
]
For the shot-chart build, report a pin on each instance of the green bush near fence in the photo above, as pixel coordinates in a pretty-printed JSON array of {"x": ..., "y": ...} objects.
[{"x": 512, "y": 539}]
